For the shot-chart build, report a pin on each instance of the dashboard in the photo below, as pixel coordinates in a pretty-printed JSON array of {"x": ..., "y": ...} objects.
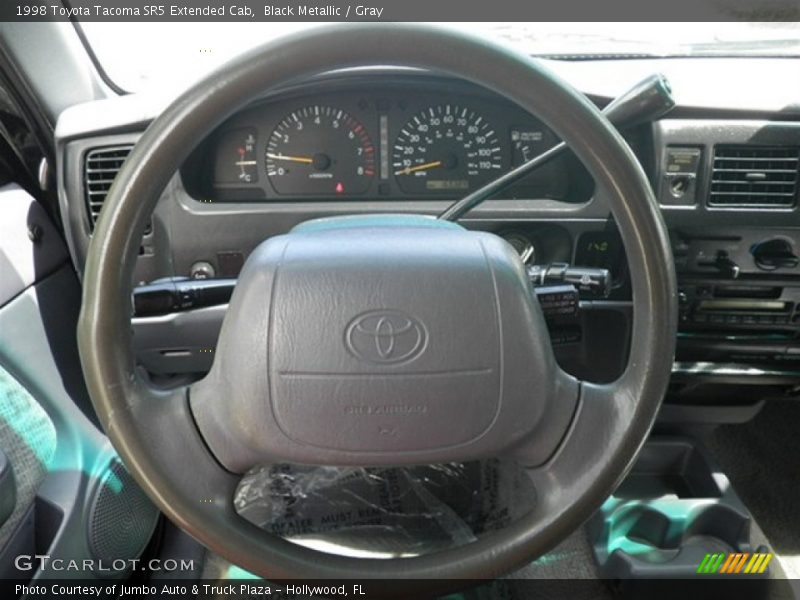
[
  {"x": 723, "y": 166},
  {"x": 399, "y": 139}
]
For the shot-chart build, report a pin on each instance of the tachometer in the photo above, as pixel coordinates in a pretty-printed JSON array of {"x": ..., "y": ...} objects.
[
  {"x": 320, "y": 151},
  {"x": 446, "y": 149}
]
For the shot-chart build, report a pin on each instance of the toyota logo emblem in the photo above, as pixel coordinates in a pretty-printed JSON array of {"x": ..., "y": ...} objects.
[{"x": 385, "y": 337}]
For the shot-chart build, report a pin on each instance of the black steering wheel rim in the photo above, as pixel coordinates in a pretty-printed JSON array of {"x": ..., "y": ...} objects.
[{"x": 152, "y": 429}]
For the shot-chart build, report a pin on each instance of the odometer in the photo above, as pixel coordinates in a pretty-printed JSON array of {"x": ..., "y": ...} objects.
[
  {"x": 320, "y": 151},
  {"x": 446, "y": 149}
]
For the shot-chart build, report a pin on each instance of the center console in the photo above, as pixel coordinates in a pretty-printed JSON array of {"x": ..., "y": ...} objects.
[
  {"x": 729, "y": 193},
  {"x": 739, "y": 294},
  {"x": 676, "y": 516}
]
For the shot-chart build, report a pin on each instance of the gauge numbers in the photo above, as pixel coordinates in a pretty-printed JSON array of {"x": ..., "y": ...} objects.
[
  {"x": 446, "y": 149},
  {"x": 320, "y": 151}
]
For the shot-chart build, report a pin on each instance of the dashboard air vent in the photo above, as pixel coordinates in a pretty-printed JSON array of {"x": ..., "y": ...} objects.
[
  {"x": 101, "y": 166},
  {"x": 754, "y": 176}
]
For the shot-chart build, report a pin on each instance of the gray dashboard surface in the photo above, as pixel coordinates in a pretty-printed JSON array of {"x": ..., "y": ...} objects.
[{"x": 755, "y": 86}]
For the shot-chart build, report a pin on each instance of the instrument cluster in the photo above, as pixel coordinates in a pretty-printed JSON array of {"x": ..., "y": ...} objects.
[{"x": 393, "y": 141}]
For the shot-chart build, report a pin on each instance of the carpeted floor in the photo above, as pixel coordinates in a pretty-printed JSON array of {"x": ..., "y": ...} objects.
[
  {"x": 762, "y": 460},
  {"x": 566, "y": 572}
]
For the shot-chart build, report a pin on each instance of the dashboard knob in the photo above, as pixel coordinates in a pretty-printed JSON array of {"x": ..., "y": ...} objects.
[
  {"x": 202, "y": 270},
  {"x": 726, "y": 265},
  {"x": 775, "y": 253}
]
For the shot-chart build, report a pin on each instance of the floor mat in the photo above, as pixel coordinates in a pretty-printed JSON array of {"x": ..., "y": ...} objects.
[{"x": 762, "y": 460}]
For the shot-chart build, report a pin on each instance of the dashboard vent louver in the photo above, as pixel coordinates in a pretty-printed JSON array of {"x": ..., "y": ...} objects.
[
  {"x": 754, "y": 176},
  {"x": 101, "y": 166}
]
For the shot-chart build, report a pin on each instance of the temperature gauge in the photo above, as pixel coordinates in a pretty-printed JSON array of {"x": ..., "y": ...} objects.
[{"x": 236, "y": 157}]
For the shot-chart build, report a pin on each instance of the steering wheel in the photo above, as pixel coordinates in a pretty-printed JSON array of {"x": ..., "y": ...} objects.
[{"x": 379, "y": 340}]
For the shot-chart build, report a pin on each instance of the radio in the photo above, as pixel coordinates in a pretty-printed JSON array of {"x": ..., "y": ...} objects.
[
  {"x": 724, "y": 305},
  {"x": 726, "y": 322}
]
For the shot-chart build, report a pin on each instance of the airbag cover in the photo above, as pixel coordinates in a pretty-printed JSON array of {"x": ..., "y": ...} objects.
[{"x": 384, "y": 335}]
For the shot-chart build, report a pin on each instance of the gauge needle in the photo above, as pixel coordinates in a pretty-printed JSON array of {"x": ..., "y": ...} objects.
[
  {"x": 430, "y": 165},
  {"x": 300, "y": 159}
]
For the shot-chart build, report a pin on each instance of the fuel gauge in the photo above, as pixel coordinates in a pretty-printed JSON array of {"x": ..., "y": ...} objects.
[
  {"x": 528, "y": 142},
  {"x": 236, "y": 157}
]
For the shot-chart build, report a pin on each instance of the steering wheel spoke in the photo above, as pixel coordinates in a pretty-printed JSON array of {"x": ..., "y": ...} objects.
[
  {"x": 546, "y": 435},
  {"x": 582, "y": 459},
  {"x": 159, "y": 431}
]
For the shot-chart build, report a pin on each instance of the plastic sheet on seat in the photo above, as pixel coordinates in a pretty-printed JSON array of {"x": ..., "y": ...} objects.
[{"x": 384, "y": 512}]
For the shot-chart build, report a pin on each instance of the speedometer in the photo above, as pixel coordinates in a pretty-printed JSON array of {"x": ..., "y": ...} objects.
[
  {"x": 446, "y": 149},
  {"x": 320, "y": 151}
]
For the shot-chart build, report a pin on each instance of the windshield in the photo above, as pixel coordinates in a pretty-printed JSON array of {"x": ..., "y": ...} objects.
[{"x": 137, "y": 56}]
